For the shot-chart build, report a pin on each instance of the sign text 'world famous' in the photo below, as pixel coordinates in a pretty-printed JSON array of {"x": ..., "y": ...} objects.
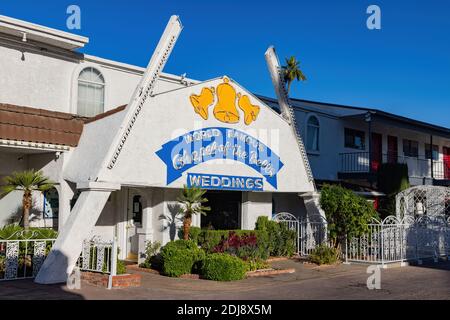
[{"x": 199, "y": 146}]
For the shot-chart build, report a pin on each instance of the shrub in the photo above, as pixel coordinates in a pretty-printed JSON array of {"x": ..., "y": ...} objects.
[
  {"x": 324, "y": 254},
  {"x": 210, "y": 239},
  {"x": 392, "y": 179},
  {"x": 347, "y": 213},
  {"x": 153, "y": 259},
  {"x": 194, "y": 234},
  {"x": 253, "y": 265},
  {"x": 9, "y": 231},
  {"x": 181, "y": 257},
  {"x": 223, "y": 267},
  {"x": 279, "y": 240},
  {"x": 121, "y": 267},
  {"x": 245, "y": 246}
]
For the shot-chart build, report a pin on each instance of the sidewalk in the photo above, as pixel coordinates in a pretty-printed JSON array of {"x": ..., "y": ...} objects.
[{"x": 308, "y": 282}]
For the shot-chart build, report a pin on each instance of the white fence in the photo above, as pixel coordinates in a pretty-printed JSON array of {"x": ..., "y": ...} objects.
[
  {"x": 99, "y": 256},
  {"x": 394, "y": 240},
  {"x": 310, "y": 232},
  {"x": 21, "y": 258}
]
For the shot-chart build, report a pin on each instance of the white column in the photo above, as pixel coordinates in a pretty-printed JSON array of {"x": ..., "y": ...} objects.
[
  {"x": 312, "y": 204},
  {"x": 255, "y": 204},
  {"x": 145, "y": 233},
  {"x": 67, "y": 248},
  {"x": 65, "y": 194}
]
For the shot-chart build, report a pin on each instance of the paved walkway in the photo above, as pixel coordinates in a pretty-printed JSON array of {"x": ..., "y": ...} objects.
[{"x": 308, "y": 282}]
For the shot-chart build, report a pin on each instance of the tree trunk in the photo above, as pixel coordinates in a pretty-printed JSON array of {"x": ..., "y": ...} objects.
[
  {"x": 26, "y": 209},
  {"x": 186, "y": 227}
]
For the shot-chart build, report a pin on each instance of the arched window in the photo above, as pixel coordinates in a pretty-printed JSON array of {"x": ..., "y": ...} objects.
[
  {"x": 312, "y": 134},
  {"x": 91, "y": 92}
]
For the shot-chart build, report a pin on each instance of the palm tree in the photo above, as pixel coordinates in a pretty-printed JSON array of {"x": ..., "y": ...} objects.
[
  {"x": 191, "y": 201},
  {"x": 27, "y": 181},
  {"x": 291, "y": 71}
]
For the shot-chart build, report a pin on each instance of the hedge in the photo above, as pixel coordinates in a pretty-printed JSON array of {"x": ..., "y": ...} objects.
[
  {"x": 279, "y": 240},
  {"x": 181, "y": 257},
  {"x": 223, "y": 267}
]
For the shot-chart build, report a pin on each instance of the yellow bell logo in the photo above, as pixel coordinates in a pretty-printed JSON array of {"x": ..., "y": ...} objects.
[{"x": 225, "y": 109}]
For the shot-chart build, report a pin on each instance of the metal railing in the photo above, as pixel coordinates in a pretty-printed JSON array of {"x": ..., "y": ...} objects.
[
  {"x": 310, "y": 233},
  {"x": 99, "y": 256},
  {"x": 394, "y": 240},
  {"x": 23, "y": 258},
  {"x": 361, "y": 162}
]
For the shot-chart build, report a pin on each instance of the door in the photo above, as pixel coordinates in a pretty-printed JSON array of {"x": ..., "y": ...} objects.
[
  {"x": 377, "y": 149},
  {"x": 225, "y": 210},
  {"x": 446, "y": 152},
  {"x": 134, "y": 221},
  {"x": 392, "y": 149}
]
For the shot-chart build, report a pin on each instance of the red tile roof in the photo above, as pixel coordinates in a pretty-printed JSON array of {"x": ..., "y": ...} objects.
[{"x": 38, "y": 125}]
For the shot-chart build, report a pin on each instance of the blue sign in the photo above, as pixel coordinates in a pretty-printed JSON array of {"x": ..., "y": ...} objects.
[
  {"x": 223, "y": 182},
  {"x": 199, "y": 146}
]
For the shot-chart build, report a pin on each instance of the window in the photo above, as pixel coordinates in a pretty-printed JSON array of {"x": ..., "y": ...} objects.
[
  {"x": 91, "y": 92},
  {"x": 410, "y": 148},
  {"x": 355, "y": 139},
  {"x": 312, "y": 134},
  {"x": 137, "y": 209},
  {"x": 429, "y": 152}
]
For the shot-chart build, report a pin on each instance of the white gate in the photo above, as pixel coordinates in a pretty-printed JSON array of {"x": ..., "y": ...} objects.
[
  {"x": 21, "y": 256},
  {"x": 394, "y": 240},
  {"x": 310, "y": 232}
]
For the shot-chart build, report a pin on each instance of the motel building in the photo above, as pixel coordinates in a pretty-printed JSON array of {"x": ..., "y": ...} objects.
[{"x": 121, "y": 141}]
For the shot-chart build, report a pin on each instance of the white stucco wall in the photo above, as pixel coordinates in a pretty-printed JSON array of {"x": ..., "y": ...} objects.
[
  {"x": 40, "y": 80},
  {"x": 170, "y": 115},
  {"x": 326, "y": 163}
]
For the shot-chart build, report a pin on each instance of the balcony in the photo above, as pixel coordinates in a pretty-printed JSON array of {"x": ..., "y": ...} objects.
[{"x": 359, "y": 165}]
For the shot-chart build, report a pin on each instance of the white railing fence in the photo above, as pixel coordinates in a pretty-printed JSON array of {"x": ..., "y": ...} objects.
[
  {"x": 22, "y": 255},
  {"x": 393, "y": 240},
  {"x": 99, "y": 256},
  {"x": 310, "y": 232}
]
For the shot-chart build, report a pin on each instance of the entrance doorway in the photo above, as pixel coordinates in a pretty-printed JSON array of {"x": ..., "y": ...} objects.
[
  {"x": 134, "y": 221},
  {"x": 392, "y": 149},
  {"x": 225, "y": 211},
  {"x": 446, "y": 152}
]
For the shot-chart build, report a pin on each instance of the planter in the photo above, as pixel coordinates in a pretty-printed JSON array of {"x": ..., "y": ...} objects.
[{"x": 118, "y": 281}]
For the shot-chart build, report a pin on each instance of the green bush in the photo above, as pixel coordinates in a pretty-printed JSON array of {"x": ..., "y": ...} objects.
[
  {"x": 324, "y": 254},
  {"x": 121, "y": 267},
  {"x": 194, "y": 234},
  {"x": 392, "y": 179},
  {"x": 181, "y": 257},
  {"x": 253, "y": 265},
  {"x": 223, "y": 267},
  {"x": 153, "y": 259},
  {"x": 14, "y": 232},
  {"x": 347, "y": 214},
  {"x": 279, "y": 240}
]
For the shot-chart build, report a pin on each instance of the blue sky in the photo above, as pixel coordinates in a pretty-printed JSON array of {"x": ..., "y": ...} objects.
[{"x": 404, "y": 68}]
